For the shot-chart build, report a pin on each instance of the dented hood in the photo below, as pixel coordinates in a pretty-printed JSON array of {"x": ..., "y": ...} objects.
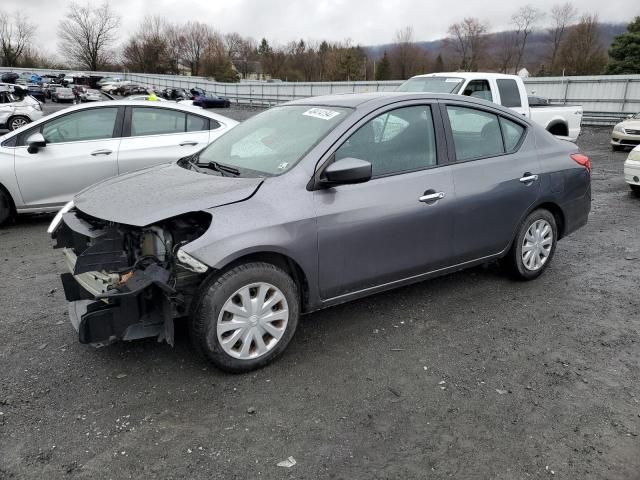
[{"x": 147, "y": 196}]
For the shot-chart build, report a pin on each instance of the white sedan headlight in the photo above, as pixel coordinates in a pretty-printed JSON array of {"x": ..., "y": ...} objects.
[
  {"x": 618, "y": 128},
  {"x": 58, "y": 218},
  {"x": 634, "y": 155}
]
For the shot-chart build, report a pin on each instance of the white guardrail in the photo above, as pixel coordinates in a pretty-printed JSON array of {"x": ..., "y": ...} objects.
[{"x": 605, "y": 98}]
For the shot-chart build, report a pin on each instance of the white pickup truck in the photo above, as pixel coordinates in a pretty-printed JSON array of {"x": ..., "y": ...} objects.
[{"x": 506, "y": 90}]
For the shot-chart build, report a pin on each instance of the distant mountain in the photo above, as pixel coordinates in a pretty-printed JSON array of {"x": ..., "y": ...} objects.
[{"x": 537, "y": 45}]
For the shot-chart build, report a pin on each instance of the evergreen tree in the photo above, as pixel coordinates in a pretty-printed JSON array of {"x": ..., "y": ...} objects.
[
  {"x": 625, "y": 51},
  {"x": 383, "y": 70}
]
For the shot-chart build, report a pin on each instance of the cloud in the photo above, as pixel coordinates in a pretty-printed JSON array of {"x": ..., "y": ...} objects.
[{"x": 280, "y": 21}]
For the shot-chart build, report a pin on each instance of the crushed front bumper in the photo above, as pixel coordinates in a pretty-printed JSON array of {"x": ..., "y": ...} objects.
[{"x": 104, "y": 306}]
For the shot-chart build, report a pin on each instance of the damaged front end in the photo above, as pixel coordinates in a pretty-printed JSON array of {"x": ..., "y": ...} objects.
[{"x": 126, "y": 282}]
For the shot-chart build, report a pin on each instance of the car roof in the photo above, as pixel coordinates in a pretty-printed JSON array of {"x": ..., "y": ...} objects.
[
  {"x": 467, "y": 75},
  {"x": 374, "y": 100},
  {"x": 142, "y": 103},
  {"x": 357, "y": 100}
]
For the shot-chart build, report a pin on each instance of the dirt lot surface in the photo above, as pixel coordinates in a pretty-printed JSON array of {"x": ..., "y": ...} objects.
[{"x": 468, "y": 376}]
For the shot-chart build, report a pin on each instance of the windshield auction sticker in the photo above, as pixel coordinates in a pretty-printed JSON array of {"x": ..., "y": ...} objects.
[{"x": 321, "y": 113}]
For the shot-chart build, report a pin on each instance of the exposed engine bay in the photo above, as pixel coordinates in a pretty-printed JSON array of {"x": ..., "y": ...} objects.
[{"x": 128, "y": 282}]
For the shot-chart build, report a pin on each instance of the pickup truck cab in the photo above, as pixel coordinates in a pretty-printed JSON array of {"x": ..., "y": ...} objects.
[{"x": 506, "y": 90}]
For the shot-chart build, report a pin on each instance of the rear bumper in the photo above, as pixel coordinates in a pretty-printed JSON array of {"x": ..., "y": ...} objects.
[{"x": 576, "y": 211}]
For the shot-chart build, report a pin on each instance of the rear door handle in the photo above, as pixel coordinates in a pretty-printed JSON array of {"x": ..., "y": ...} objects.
[
  {"x": 104, "y": 151},
  {"x": 528, "y": 178},
  {"x": 188, "y": 144},
  {"x": 432, "y": 197}
]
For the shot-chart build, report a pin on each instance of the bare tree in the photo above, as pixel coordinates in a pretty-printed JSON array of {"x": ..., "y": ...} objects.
[
  {"x": 406, "y": 56},
  {"x": 505, "y": 50},
  {"x": 524, "y": 20},
  {"x": 582, "y": 53},
  {"x": 197, "y": 38},
  {"x": 87, "y": 33},
  {"x": 233, "y": 43},
  {"x": 175, "y": 46},
  {"x": 146, "y": 51},
  {"x": 562, "y": 16},
  {"x": 468, "y": 38},
  {"x": 16, "y": 34}
]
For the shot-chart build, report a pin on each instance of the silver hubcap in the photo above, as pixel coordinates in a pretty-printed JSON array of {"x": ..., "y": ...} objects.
[
  {"x": 18, "y": 122},
  {"x": 536, "y": 245},
  {"x": 252, "y": 321}
]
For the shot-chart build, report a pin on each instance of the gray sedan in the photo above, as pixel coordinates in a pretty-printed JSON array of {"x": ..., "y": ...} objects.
[{"x": 311, "y": 204}]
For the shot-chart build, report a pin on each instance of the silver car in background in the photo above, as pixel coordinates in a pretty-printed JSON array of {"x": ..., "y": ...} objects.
[
  {"x": 42, "y": 166},
  {"x": 16, "y": 112}
]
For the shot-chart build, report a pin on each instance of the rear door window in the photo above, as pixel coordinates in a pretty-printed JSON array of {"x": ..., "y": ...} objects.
[
  {"x": 156, "y": 121},
  {"x": 509, "y": 93},
  {"x": 476, "y": 133}
]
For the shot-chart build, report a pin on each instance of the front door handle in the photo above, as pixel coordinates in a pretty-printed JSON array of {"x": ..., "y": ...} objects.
[
  {"x": 432, "y": 197},
  {"x": 528, "y": 178},
  {"x": 104, "y": 151},
  {"x": 188, "y": 144}
]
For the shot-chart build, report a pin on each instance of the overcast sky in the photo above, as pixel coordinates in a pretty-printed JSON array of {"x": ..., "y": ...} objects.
[{"x": 368, "y": 22}]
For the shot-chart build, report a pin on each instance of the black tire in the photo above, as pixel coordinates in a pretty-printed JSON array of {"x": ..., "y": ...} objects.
[
  {"x": 11, "y": 124},
  {"x": 213, "y": 296},
  {"x": 5, "y": 207},
  {"x": 616, "y": 148},
  {"x": 515, "y": 259},
  {"x": 635, "y": 189}
]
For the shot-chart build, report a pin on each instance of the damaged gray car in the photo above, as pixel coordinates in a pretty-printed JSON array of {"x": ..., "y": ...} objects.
[{"x": 312, "y": 204}]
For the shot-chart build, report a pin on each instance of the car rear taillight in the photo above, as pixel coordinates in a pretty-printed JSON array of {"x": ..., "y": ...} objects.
[{"x": 583, "y": 160}]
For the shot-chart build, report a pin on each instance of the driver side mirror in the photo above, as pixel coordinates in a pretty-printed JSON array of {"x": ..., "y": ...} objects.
[
  {"x": 35, "y": 142},
  {"x": 346, "y": 171}
]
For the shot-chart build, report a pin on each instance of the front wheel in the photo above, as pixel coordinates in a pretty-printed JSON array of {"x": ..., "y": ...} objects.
[
  {"x": 246, "y": 317},
  {"x": 17, "y": 122},
  {"x": 635, "y": 189},
  {"x": 5, "y": 207},
  {"x": 534, "y": 245}
]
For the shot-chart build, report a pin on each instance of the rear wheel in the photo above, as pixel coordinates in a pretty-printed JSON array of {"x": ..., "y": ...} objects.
[
  {"x": 534, "y": 245},
  {"x": 635, "y": 189},
  {"x": 616, "y": 148},
  {"x": 246, "y": 317},
  {"x": 17, "y": 122}
]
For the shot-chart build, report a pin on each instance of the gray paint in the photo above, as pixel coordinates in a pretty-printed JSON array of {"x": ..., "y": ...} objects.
[{"x": 354, "y": 240}]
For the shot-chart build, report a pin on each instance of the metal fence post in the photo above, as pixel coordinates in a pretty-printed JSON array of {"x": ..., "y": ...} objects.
[{"x": 624, "y": 96}]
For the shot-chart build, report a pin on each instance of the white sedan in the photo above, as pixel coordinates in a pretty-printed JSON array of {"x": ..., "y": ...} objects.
[
  {"x": 632, "y": 170},
  {"x": 44, "y": 164}
]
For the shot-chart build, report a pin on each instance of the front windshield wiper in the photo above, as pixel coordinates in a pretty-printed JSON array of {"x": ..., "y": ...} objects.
[
  {"x": 222, "y": 168},
  {"x": 191, "y": 160}
]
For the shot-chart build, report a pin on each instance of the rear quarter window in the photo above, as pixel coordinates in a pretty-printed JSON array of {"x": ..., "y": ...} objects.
[{"x": 509, "y": 93}]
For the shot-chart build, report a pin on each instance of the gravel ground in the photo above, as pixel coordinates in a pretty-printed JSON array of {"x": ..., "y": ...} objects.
[{"x": 468, "y": 376}]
